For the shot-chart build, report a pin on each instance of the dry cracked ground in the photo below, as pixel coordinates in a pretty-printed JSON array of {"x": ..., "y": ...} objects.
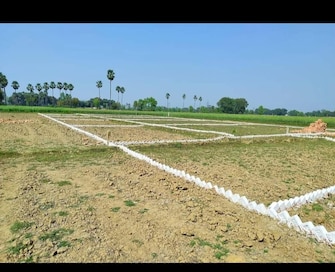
[{"x": 64, "y": 198}]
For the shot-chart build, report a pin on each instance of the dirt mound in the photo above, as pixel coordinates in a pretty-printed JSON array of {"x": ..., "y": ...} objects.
[{"x": 316, "y": 127}]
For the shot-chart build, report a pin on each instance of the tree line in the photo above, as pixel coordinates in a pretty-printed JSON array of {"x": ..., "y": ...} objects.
[{"x": 42, "y": 98}]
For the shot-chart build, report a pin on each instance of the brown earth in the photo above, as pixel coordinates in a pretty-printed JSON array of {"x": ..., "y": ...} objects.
[{"x": 67, "y": 198}]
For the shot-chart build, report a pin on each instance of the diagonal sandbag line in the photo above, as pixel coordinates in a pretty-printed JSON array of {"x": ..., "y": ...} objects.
[{"x": 318, "y": 232}]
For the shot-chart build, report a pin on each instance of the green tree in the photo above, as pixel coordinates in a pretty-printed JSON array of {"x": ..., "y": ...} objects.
[
  {"x": 60, "y": 87},
  {"x": 15, "y": 85},
  {"x": 52, "y": 87},
  {"x": 99, "y": 86},
  {"x": 148, "y": 103},
  {"x": 184, "y": 97},
  {"x": 195, "y": 98},
  {"x": 30, "y": 99},
  {"x": 118, "y": 89},
  {"x": 39, "y": 88},
  {"x": 260, "y": 110},
  {"x": 46, "y": 87},
  {"x": 70, "y": 88},
  {"x": 3, "y": 85},
  {"x": 122, "y": 90},
  {"x": 65, "y": 87},
  {"x": 200, "y": 99},
  {"x": 167, "y": 95},
  {"x": 110, "y": 76}
]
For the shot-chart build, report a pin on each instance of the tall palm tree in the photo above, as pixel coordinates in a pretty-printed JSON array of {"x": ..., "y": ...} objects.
[
  {"x": 46, "y": 87},
  {"x": 70, "y": 87},
  {"x": 195, "y": 98},
  {"x": 30, "y": 89},
  {"x": 39, "y": 88},
  {"x": 3, "y": 84},
  {"x": 15, "y": 85},
  {"x": 200, "y": 99},
  {"x": 118, "y": 89},
  {"x": 122, "y": 92},
  {"x": 60, "y": 87},
  {"x": 99, "y": 86},
  {"x": 65, "y": 87},
  {"x": 52, "y": 87},
  {"x": 184, "y": 96},
  {"x": 167, "y": 100},
  {"x": 110, "y": 76}
]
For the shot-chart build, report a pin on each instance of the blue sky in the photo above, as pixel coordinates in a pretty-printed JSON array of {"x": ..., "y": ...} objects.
[{"x": 276, "y": 65}]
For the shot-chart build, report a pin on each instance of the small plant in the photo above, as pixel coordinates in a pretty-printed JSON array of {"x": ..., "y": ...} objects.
[
  {"x": 64, "y": 244},
  {"x": 266, "y": 250},
  {"x": 47, "y": 205},
  {"x": 63, "y": 213},
  {"x": 115, "y": 209},
  {"x": 129, "y": 203},
  {"x": 317, "y": 207},
  {"x": 17, "y": 248},
  {"x": 138, "y": 242},
  {"x": 28, "y": 235},
  {"x": 90, "y": 208},
  {"x": 45, "y": 180},
  {"x": 219, "y": 254},
  {"x": 64, "y": 182},
  {"x": 83, "y": 198},
  {"x": 56, "y": 234},
  {"x": 100, "y": 194},
  {"x": 111, "y": 196},
  {"x": 154, "y": 255},
  {"x": 17, "y": 226},
  {"x": 143, "y": 210}
]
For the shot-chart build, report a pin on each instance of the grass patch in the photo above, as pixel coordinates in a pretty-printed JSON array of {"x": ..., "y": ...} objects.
[
  {"x": 56, "y": 235},
  {"x": 129, "y": 203},
  {"x": 220, "y": 251},
  {"x": 64, "y": 182},
  {"x": 63, "y": 213},
  {"x": 17, "y": 248},
  {"x": 18, "y": 226},
  {"x": 115, "y": 209},
  {"x": 63, "y": 244}
]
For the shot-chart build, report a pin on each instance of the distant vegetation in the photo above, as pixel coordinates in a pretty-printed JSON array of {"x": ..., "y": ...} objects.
[{"x": 38, "y": 96}]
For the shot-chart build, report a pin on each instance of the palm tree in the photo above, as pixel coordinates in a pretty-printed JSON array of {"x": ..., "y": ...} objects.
[
  {"x": 122, "y": 92},
  {"x": 3, "y": 84},
  {"x": 30, "y": 89},
  {"x": 200, "y": 99},
  {"x": 65, "y": 87},
  {"x": 195, "y": 98},
  {"x": 167, "y": 100},
  {"x": 46, "y": 87},
  {"x": 52, "y": 87},
  {"x": 39, "y": 89},
  {"x": 184, "y": 96},
  {"x": 110, "y": 76},
  {"x": 118, "y": 89},
  {"x": 15, "y": 85},
  {"x": 60, "y": 87},
  {"x": 70, "y": 87},
  {"x": 99, "y": 86}
]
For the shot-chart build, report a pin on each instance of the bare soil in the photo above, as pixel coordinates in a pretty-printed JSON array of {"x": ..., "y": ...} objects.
[{"x": 67, "y": 198}]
